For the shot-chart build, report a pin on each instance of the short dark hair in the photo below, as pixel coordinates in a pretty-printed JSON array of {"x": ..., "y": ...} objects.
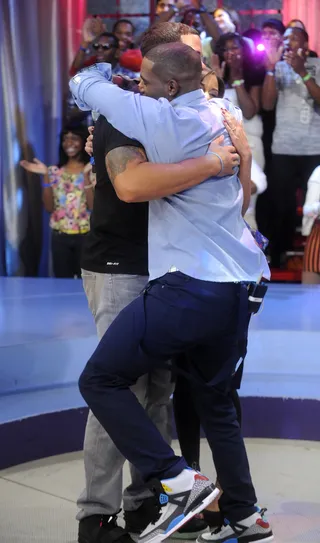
[
  {"x": 80, "y": 131},
  {"x": 125, "y": 21},
  {"x": 175, "y": 61},
  {"x": 162, "y": 33},
  {"x": 303, "y": 32},
  {"x": 296, "y": 21},
  {"x": 276, "y": 24},
  {"x": 108, "y": 35}
]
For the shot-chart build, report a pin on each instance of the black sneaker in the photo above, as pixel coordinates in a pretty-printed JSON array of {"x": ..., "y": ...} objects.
[
  {"x": 102, "y": 529},
  {"x": 137, "y": 521}
]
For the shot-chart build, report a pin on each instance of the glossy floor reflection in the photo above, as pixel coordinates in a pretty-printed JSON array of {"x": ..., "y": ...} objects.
[{"x": 37, "y": 500}]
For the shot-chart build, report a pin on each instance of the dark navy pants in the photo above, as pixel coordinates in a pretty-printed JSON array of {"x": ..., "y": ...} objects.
[{"x": 176, "y": 313}]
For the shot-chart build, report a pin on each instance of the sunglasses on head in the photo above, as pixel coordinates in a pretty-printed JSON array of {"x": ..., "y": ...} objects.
[{"x": 104, "y": 46}]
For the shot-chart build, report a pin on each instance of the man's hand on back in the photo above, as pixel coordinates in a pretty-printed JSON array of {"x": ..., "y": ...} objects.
[
  {"x": 89, "y": 145},
  {"x": 228, "y": 155}
]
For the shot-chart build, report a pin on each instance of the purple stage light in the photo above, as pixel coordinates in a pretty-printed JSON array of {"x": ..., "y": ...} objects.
[{"x": 260, "y": 47}]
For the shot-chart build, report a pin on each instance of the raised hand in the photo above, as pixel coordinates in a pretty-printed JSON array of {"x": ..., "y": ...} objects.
[
  {"x": 34, "y": 167},
  {"x": 92, "y": 27},
  {"x": 273, "y": 55},
  {"x": 297, "y": 61}
]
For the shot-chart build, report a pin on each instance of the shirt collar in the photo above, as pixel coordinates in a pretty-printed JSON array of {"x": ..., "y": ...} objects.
[{"x": 196, "y": 96}]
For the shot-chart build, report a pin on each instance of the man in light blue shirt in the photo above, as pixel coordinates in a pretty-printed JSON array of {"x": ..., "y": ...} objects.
[
  {"x": 227, "y": 251},
  {"x": 200, "y": 254}
]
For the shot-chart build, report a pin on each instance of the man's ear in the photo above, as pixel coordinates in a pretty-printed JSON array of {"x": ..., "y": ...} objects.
[{"x": 173, "y": 88}]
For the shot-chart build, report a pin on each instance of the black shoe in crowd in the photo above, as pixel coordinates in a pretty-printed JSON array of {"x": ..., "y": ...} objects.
[{"x": 102, "y": 529}]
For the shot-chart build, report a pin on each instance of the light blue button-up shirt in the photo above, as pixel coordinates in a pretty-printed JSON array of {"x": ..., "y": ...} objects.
[{"x": 200, "y": 231}]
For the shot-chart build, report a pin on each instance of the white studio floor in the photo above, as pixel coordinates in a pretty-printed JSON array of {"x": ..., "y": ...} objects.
[{"x": 38, "y": 500}]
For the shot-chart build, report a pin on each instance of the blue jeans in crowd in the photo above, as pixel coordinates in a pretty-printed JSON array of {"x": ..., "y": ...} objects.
[{"x": 175, "y": 314}]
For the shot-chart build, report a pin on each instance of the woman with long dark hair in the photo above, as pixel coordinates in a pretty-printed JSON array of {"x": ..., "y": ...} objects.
[
  {"x": 68, "y": 196},
  {"x": 243, "y": 83}
]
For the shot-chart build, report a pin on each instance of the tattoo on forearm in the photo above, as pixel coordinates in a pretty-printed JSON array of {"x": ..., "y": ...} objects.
[{"x": 118, "y": 159}]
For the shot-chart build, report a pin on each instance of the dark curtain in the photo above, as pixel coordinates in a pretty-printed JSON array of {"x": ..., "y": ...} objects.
[{"x": 38, "y": 39}]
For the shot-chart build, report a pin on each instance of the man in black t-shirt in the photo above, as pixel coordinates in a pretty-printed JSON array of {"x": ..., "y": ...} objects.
[{"x": 117, "y": 242}]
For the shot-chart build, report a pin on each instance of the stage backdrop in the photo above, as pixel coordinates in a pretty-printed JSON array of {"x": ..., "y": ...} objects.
[
  {"x": 37, "y": 42},
  {"x": 309, "y": 12}
]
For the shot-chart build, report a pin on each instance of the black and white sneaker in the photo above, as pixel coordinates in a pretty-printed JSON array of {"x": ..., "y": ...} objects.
[
  {"x": 250, "y": 530},
  {"x": 179, "y": 500},
  {"x": 136, "y": 521}
]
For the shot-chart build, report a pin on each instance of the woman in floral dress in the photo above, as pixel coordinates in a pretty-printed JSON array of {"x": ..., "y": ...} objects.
[{"x": 68, "y": 196}]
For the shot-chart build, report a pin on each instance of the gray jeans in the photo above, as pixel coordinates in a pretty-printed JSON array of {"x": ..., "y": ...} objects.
[{"x": 107, "y": 295}]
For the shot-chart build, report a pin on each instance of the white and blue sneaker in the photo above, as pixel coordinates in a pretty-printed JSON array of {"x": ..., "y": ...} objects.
[
  {"x": 178, "y": 500},
  {"x": 253, "y": 529}
]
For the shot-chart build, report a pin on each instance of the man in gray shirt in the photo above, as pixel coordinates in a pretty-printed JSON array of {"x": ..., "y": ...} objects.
[
  {"x": 293, "y": 86},
  {"x": 200, "y": 253}
]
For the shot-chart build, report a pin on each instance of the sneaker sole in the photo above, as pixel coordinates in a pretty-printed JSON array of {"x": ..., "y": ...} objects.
[
  {"x": 233, "y": 539},
  {"x": 205, "y": 502}
]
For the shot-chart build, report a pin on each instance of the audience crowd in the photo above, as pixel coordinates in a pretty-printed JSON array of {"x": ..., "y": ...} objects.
[{"x": 271, "y": 74}]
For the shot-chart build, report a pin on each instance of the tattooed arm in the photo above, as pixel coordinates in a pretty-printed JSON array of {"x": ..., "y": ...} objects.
[{"x": 137, "y": 180}]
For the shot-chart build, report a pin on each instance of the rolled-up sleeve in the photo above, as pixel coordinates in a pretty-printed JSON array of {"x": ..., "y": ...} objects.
[{"x": 134, "y": 115}]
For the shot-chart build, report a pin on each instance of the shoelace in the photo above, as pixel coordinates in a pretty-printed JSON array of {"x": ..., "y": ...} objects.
[{"x": 263, "y": 511}]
